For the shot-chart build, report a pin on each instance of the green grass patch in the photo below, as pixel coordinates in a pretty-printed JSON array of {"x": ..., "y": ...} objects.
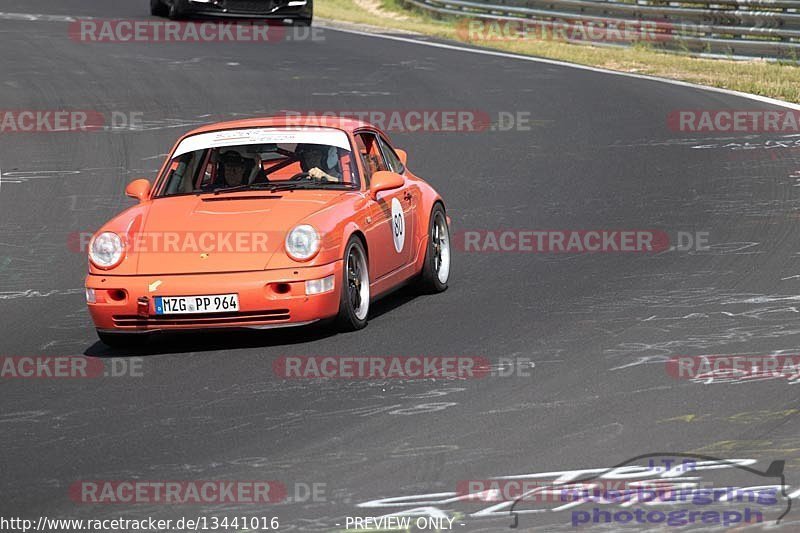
[{"x": 774, "y": 79}]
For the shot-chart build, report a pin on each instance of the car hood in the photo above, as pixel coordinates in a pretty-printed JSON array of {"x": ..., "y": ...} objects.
[{"x": 233, "y": 232}]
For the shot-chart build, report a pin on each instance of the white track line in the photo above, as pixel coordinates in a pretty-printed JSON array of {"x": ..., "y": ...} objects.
[
  {"x": 29, "y": 17},
  {"x": 764, "y": 99}
]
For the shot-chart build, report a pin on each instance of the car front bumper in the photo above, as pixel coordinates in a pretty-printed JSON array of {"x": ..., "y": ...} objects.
[
  {"x": 267, "y": 299},
  {"x": 266, "y": 9}
]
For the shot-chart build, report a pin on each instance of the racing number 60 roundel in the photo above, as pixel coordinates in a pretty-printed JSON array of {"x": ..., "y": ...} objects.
[{"x": 398, "y": 225}]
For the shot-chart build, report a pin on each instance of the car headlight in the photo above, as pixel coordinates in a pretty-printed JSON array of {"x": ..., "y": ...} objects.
[
  {"x": 106, "y": 250},
  {"x": 302, "y": 243}
]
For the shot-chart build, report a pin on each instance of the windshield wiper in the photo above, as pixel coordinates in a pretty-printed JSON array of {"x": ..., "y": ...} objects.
[
  {"x": 282, "y": 186},
  {"x": 312, "y": 185},
  {"x": 288, "y": 186},
  {"x": 243, "y": 187}
]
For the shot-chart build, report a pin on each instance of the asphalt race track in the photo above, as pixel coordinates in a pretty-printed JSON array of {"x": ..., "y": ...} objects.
[{"x": 598, "y": 327}]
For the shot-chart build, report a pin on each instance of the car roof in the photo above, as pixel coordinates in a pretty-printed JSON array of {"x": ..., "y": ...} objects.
[{"x": 341, "y": 123}]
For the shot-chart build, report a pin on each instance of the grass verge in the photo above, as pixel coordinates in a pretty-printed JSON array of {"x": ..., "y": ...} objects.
[{"x": 776, "y": 80}]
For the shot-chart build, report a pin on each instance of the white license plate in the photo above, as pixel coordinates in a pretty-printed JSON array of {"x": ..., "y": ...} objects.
[{"x": 213, "y": 303}]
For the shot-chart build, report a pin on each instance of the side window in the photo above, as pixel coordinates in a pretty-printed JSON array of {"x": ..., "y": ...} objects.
[
  {"x": 182, "y": 171},
  {"x": 370, "y": 152},
  {"x": 391, "y": 157}
]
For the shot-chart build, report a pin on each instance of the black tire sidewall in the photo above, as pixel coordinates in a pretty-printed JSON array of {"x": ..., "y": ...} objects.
[
  {"x": 347, "y": 316},
  {"x": 430, "y": 278}
]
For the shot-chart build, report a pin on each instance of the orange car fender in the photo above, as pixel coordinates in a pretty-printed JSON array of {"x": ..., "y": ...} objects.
[
  {"x": 334, "y": 232},
  {"x": 336, "y": 228},
  {"x": 349, "y": 229},
  {"x": 125, "y": 224},
  {"x": 428, "y": 198},
  {"x": 335, "y": 240}
]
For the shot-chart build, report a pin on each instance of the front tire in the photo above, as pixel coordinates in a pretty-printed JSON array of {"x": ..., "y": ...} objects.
[
  {"x": 158, "y": 9},
  {"x": 121, "y": 340},
  {"x": 354, "y": 293},
  {"x": 436, "y": 268},
  {"x": 305, "y": 20}
]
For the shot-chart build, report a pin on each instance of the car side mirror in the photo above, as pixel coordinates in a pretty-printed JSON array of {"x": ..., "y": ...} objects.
[
  {"x": 139, "y": 189},
  {"x": 383, "y": 180},
  {"x": 403, "y": 155}
]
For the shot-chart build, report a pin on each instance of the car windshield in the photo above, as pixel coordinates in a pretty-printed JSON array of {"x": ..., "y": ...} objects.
[{"x": 238, "y": 160}]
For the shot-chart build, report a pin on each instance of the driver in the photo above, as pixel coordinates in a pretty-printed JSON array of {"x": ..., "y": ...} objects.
[
  {"x": 236, "y": 168},
  {"x": 314, "y": 158}
]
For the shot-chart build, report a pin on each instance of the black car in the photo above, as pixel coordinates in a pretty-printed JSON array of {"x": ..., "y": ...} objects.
[{"x": 299, "y": 11}]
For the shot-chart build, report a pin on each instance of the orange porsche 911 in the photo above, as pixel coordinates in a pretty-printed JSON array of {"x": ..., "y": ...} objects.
[{"x": 267, "y": 223}]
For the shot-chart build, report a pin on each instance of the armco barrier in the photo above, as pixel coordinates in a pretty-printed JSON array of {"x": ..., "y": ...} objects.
[{"x": 768, "y": 29}]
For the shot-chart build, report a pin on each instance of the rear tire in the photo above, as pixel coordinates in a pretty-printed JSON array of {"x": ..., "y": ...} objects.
[
  {"x": 158, "y": 9},
  {"x": 436, "y": 268},
  {"x": 354, "y": 292},
  {"x": 175, "y": 11},
  {"x": 121, "y": 340}
]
